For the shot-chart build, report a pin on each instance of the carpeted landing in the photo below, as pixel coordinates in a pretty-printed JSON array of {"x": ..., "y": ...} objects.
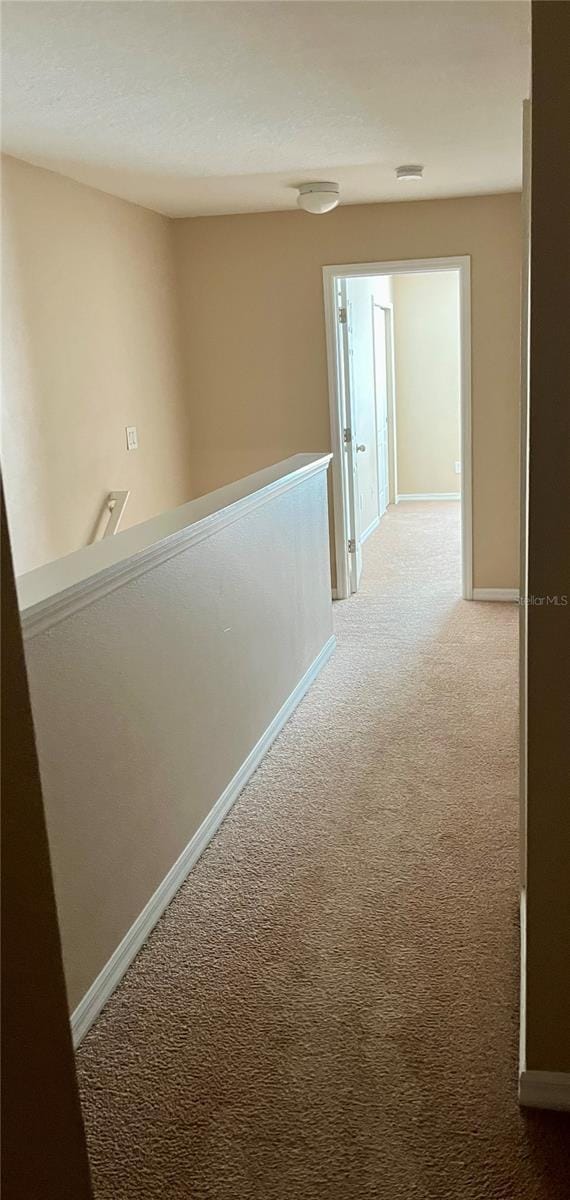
[{"x": 328, "y": 1009}]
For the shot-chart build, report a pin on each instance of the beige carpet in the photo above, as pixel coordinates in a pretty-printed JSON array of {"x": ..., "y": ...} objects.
[{"x": 328, "y": 1009}]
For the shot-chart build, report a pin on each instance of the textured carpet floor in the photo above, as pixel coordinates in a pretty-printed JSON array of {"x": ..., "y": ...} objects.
[{"x": 328, "y": 1009}]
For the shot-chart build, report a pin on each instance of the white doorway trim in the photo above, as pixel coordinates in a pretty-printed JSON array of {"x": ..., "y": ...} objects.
[
  {"x": 343, "y": 519},
  {"x": 388, "y": 310}
]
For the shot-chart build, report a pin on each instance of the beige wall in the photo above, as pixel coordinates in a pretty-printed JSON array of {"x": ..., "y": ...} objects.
[
  {"x": 427, "y": 362},
  {"x": 90, "y": 345},
  {"x": 254, "y": 336}
]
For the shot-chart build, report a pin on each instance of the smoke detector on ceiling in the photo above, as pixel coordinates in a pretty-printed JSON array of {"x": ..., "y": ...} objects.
[
  {"x": 410, "y": 171},
  {"x": 318, "y": 198}
]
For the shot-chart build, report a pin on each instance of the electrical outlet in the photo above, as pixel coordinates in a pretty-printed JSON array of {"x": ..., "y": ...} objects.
[
  {"x": 132, "y": 437},
  {"x": 458, "y": 468}
]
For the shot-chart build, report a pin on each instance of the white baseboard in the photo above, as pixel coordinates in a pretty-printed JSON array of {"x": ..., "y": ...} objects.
[
  {"x": 428, "y": 496},
  {"x": 545, "y": 1089},
  {"x": 537, "y": 1089},
  {"x": 503, "y": 594},
  {"x": 104, "y": 985},
  {"x": 373, "y": 525}
]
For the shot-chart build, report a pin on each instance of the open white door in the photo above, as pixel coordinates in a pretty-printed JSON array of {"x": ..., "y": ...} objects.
[
  {"x": 355, "y": 480},
  {"x": 350, "y": 442},
  {"x": 379, "y": 315}
]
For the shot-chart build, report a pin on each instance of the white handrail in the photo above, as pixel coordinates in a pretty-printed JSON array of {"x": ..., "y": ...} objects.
[{"x": 116, "y": 503}]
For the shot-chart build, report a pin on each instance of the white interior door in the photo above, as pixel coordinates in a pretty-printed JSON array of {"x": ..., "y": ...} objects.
[
  {"x": 350, "y": 465},
  {"x": 360, "y": 340},
  {"x": 379, "y": 318}
]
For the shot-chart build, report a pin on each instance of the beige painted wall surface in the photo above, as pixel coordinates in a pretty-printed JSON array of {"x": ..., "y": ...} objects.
[
  {"x": 254, "y": 336},
  {"x": 426, "y": 344},
  {"x": 90, "y": 345}
]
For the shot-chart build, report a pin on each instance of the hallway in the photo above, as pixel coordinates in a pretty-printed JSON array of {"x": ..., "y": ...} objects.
[{"x": 328, "y": 1008}]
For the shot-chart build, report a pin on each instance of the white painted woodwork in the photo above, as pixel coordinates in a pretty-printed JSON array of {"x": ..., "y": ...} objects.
[
  {"x": 159, "y": 662},
  {"x": 349, "y": 439},
  {"x": 507, "y": 595},
  {"x": 342, "y": 499},
  {"x": 361, "y": 351},
  {"x": 415, "y": 496},
  {"x": 380, "y": 349}
]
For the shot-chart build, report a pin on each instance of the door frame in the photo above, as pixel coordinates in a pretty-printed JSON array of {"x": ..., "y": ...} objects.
[
  {"x": 343, "y": 518},
  {"x": 388, "y": 310},
  {"x": 346, "y": 396}
]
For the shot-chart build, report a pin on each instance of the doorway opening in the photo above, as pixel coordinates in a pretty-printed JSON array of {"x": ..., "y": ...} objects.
[{"x": 431, "y": 460}]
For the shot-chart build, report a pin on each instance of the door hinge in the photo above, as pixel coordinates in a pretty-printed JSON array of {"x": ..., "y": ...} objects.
[
  {"x": 342, "y": 316},
  {"x": 347, "y": 436},
  {"x": 351, "y": 546}
]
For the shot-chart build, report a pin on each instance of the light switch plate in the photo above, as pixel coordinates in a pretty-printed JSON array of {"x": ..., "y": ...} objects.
[
  {"x": 132, "y": 437},
  {"x": 458, "y": 468}
]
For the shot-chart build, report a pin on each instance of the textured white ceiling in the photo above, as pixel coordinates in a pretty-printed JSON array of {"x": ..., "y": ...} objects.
[{"x": 217, "y": 107}]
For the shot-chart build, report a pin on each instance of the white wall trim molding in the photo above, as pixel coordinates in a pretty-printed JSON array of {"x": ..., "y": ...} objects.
[
  {"x": 108, "y": 979},
  {"x": 508, "y": 595},
  {"x": 545, "y": 1089},
  {"x": 428, "y": 496},
  {"x": 372, "y": 526},
  {"x": 331, "y": 277},
  {"x": 537, "y": 1089},
  {"x": 50, "y": 594}
]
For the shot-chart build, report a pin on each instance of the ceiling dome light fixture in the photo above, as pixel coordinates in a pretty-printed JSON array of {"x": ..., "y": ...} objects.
[
  {"x": 410, "y": 171},
  {"x": 318, "y": 197}
]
